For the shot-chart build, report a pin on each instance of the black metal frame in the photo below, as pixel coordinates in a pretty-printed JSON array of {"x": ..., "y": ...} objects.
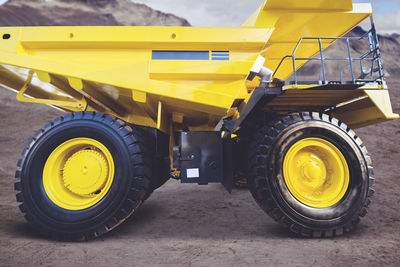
[
  {"x": 260, "y": 97},
  {"x": 373, "y": 56}
]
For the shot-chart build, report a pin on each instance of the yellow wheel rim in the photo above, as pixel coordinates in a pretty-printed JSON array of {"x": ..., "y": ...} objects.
[
  {"x": 316, "y": 172},
  {"x": 78, "y": 173}
]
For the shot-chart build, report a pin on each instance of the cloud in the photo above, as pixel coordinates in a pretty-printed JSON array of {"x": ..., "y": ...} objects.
[
  {"x": 212, "y": 13},
  {"x": 388, "y": 23}
]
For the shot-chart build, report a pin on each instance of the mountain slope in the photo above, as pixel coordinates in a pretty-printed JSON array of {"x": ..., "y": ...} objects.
[{"x": 83, "y": 13}]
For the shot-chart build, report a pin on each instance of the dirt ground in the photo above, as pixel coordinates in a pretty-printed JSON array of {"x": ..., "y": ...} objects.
[{"x": 191, "y": 225}]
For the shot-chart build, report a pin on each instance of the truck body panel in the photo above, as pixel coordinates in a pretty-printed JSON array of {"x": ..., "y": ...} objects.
[{"x": 195, "y": 74}]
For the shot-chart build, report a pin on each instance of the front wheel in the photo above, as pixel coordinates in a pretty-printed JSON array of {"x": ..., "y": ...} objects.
[{"x": 311, "y": 173}]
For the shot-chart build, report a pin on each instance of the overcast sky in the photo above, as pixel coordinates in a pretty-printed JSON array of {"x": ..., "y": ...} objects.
[{"x": 234, "y": 12}]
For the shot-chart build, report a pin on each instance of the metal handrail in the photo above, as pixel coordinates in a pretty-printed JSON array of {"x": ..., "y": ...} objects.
[{"x": 373, "y": 55}]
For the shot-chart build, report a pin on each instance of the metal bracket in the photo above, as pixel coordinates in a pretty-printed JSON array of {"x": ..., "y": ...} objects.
[
  {"x": 260, "y": 97},
  {"x": 77, "y": 104}
]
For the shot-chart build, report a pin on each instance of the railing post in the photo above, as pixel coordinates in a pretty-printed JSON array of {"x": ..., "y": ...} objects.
[
  {"x": 294, "y": 69},
  {"x": 322, "y": 60},
  {"x": 294, "y": 60},
  {"x": 350, "y": 60},
  {"x": 376, "y": 47}
]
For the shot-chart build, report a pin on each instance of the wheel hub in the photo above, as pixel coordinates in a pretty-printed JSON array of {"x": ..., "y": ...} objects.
[
  {"x": 85, "y": 172},
  {"x": 316, "y": 172},
  {"x": 312, "y": 171},
  {"x": 78, "y": 173}
]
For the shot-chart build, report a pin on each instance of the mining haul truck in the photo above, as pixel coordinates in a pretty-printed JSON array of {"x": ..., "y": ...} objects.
[{"x": 202, "y": 105}]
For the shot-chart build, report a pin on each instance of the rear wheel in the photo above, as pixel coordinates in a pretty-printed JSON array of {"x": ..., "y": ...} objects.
[
  {"x": 82, "y": 175},
  {"x": 311, "y": 173}
]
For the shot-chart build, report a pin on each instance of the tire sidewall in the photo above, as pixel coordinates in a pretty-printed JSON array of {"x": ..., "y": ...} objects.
[{"x": 356, "y": 194}]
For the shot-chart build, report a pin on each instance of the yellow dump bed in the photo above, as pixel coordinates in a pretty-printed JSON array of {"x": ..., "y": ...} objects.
[
  {"x": 154, "y": 75},
  {"x": 293, "y": 20}
]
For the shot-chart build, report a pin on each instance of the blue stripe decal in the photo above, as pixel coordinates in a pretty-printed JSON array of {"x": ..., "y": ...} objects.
[
  {"x": 220, "y": 55},
  {"x": 181, "y": 55},
  {"x": 220, "y": 58}
]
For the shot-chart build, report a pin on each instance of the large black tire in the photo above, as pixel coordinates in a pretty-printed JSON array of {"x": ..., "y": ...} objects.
[
  {"x": 268, "y": 147},
  {"x": 127, "y": 192},
  {"x": 241, "y": 144}
]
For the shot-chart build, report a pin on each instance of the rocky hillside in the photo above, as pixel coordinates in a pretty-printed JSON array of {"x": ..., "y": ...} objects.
[
  {"x": 391, "y": 53},
  {"x": 83, "y": 13}
]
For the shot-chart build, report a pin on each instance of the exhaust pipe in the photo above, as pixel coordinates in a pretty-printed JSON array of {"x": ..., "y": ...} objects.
[{"x": 259, "y": 70}]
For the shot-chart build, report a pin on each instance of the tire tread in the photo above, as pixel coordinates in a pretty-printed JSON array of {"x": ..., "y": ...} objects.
[{"x": 262, "y": 138}]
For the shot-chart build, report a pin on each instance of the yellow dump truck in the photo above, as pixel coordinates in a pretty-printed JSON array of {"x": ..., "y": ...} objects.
[{"x": 203, "y": 105}]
